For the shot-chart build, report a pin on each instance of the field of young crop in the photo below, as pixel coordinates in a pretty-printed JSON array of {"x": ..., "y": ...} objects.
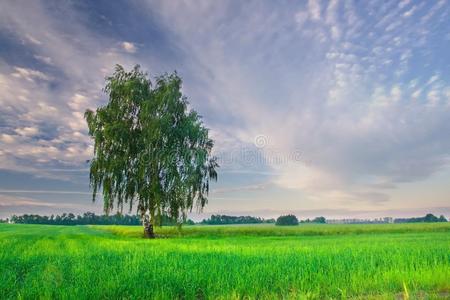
[{"x": 397, "y": 261}]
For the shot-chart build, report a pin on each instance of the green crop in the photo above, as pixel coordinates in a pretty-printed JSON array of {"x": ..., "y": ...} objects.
[{"x": 225, "y": 262}]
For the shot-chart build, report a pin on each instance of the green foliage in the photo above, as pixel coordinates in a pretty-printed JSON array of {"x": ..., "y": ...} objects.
[
  {"x": 226, "y": 262},
  {"x": 89, "y": 218},
  {"x": 149, "y": 149},
  {"x": 224, "y": 219},
  {"x": 320, "y": 220},
  {"x": 287, "y": 220},
  {"x": 71, "y": 219},
  {"x": 428, "y": 218}
]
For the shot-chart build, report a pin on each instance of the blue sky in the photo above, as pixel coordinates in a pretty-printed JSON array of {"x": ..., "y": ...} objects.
[{"x": 335, "y": 108}]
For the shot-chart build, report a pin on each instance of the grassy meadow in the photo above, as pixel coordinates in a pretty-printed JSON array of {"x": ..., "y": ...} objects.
[{"x": 386, "y": 261}]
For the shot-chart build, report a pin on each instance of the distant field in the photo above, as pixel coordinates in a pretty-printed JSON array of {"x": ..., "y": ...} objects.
[{"x": 226, "y": 262}]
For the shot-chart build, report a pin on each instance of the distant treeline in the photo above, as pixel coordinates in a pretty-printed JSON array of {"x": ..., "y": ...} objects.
[
  {"x": 88, "y": 218},
  {"x": 320, "y": 220},
  {"x": 292, "y": 220},
  {"x": 224, "y": 220},
  {"x": 429, "y": 218}
]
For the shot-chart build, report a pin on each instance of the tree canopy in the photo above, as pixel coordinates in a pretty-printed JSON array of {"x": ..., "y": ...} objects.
[
  {"x": 287, "y": 220},
  {"x": 88, "y": 218},
  {"x": 428, "y": 218},
  {"x": 150, "y": 149},
  {"x": 224, "y": 219}
]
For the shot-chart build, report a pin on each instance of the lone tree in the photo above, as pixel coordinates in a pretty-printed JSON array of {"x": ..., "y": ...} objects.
[
  {"x": 149, "y": 148},
  {"x": 287, "y": 220}
]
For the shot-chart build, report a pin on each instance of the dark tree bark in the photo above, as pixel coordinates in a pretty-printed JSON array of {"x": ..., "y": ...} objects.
[{"x": 148, "y": 229}]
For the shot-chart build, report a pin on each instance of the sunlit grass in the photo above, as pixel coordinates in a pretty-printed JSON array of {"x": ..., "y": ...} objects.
[
  {"x": 272, "y": 230},
  {"x": 257, "y": 261}
]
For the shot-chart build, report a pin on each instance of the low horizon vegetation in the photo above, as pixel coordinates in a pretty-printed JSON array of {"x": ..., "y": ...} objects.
[
  {"x": 90, "y": 218},
  {"x": 270, "y": 229},
  {"x": 287, "y": 220}
]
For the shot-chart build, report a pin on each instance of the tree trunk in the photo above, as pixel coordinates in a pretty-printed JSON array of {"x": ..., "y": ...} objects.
[{"x": 148, "y": 229}]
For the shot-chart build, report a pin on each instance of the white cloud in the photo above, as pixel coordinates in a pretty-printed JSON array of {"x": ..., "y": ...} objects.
[
  {"x": 410, "y": 12},
  {"x": 7, "y": 138},
  {"x": 79, "y": 102},
  {"x": 41, "y": 111},
  {"x": 403, "y": 3},
  {"x": 29, "y": 74},
  {"x": 51, "y": 102},
  {"x": 349, "y": 125},
  {"x": 447, "y": 94},
  {"x": 335, "y": 33},
  {"x": 46, "y": 59},
  {"x": 336, "y": 100},
  {"x": 77, "y": 122},
  {"x": 396, "y": 93},
  {"x": 406, "y": 55},
  {"x": 331, "y": 13},
  {"x": 433, "y": 79},
  {"x": 10, "y": 205},
  {"x": 32, "y": 39},
  {"x": 129, "y": 47},
  {"x": 433, "y": 97},
  {"x": 27, "y": 131},
  {"x": 314, "y": 9},
  {"x": 301, "y": 17},
  {"x": 416, "y": 94}
]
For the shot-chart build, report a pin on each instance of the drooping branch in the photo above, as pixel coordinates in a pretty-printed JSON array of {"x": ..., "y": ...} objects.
[{"x": 149, "y": 149}]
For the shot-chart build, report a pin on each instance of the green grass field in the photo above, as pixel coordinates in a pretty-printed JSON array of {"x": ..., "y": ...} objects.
[{"x": 226, "y": 262}]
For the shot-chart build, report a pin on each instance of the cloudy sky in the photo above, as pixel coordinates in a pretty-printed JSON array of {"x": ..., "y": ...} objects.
[{"x": 337, "y": 108}]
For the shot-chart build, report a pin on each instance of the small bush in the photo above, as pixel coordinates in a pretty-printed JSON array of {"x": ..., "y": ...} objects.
[
  {"x": 287, "y": 220},
  {"x": 320, "y": 220}
]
